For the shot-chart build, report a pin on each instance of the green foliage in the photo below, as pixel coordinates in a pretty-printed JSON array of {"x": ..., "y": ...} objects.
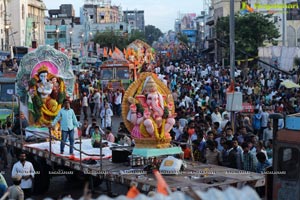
[
  {"x": 136, "y": 34},
  {"x": 152, "y": 34},
  {"x": 183, "y": 38},
  {"x": 110, "y": 38},
  {"x": 251, "y": 31}
]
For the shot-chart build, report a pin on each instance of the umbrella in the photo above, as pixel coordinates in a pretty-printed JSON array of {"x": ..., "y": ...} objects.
[{"x": 289, "y": 84}]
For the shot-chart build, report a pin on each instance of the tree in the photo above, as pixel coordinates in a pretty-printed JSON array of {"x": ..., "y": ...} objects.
[
  {"x": 251, "y": 31},
  {"x": 136, "y": 34},
  {"x": 110, "y": 39},
  {"x": 183, "y": 38},
  {"x": 152, "y": 34}
]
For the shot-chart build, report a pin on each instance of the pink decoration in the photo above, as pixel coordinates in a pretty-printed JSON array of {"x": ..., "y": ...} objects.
[{"x": 52, "y": 69}]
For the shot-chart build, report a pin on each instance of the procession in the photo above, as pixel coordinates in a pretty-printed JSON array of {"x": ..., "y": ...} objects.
[{"x": 117, "y": 118}]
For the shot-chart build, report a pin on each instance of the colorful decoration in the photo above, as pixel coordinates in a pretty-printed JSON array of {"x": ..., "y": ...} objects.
[
  {"x": 246, "y": 8},
  {"x": 148, "y": 111},
  {"x": 140, "y": 53},
  {"x": 45, "y": 78}
]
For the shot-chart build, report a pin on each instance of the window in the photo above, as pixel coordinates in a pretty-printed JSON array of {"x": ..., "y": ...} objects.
[
  {"x": 107, "y": 74},
  {"x": 51, "y": 35},
  {"x": 288, "y": 161},
  {"x": 122, "y": 73}
]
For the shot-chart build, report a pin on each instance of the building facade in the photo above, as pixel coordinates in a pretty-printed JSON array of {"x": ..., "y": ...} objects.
[
  {"x": 74, "y": 36},
  {"x": 24, "y": 23},
  {"x": 135, "y": 18},
  {"x": 100, "y": 14}
]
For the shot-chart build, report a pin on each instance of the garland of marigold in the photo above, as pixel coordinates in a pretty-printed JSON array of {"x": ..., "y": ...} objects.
[
  {"x": 144, "y": 131},
  {"x": 162, "y": 132}
]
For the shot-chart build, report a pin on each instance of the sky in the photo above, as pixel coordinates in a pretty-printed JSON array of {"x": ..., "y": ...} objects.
[{"x": 159, "y": 13}]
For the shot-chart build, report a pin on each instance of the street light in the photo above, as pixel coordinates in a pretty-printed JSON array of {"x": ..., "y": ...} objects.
[
  {"x": 71, "y": 39},
  {"x": 57, "y": 34},
  {"x": 6, "y": 37}
]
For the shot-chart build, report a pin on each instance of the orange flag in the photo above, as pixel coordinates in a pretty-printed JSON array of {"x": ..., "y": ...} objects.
[
  {"x": 162, "y": 186},
  {"x": 132, "y": 192},
  {"x": 230, "y": 89},
  {"x": 105, "y": 52},
  {"x": 117, "y": 50},
  {"x": 129, "y": 53},
  {"x": 110, "y": 53}
]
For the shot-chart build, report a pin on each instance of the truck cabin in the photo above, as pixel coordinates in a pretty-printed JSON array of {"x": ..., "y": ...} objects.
[
  {"x": 285, "y": 182},
  {"x": 115, "y": 71}
]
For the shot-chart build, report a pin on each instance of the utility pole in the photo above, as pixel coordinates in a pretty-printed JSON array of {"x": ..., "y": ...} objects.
[
  {"x": 284, "y": 22},
  {"x": 231, "y": 38},
  {"x": 71, "y": 39},
  {"x": 6, "y": 27}
]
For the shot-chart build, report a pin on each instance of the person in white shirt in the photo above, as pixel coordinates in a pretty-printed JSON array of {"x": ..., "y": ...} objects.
[
  {"x": 85, "y": 105},
  {"x": 96, "y": 99},
  {"x": 118, "y": 101},
  {"x": 216, "y": 116},
  {"x": 106, "y": 115},
  {"x": 264, "y": 121},
  {"x": 24, "y": 169},
  {"x": 268, "y": 133}
]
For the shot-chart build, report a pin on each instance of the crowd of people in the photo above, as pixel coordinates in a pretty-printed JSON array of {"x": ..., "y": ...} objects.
[
  {"x": 241, "y": 140},
  {"x": 204, "y": 129},
  {"x": 9, "y": 65}
]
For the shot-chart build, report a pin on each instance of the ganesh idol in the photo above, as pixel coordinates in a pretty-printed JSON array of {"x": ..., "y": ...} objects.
[{"x": 151, "y": 109}]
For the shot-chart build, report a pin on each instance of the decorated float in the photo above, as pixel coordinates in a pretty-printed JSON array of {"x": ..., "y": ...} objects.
[
  {"x": 148, "y": 113},
  {"x": 141, "y": 55},
  {"x": 45, "y": 78}
]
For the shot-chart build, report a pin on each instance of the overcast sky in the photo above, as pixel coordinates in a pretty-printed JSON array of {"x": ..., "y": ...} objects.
[{"x": 160, "y": 13}]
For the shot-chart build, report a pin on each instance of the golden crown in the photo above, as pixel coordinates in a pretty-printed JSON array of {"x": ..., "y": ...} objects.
[
  {"x": 42, "y": 69},
  {"x": 149, "y": 86}
]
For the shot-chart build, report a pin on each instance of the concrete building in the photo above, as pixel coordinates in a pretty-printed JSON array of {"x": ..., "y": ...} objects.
[
  {"x": 23, "y": 22},
  {"x": 68, "y": 36},
  {"x": 63, "y": 16},
  {"x": 101, "y": 14},
  {"x": 135, "y": 18}
]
